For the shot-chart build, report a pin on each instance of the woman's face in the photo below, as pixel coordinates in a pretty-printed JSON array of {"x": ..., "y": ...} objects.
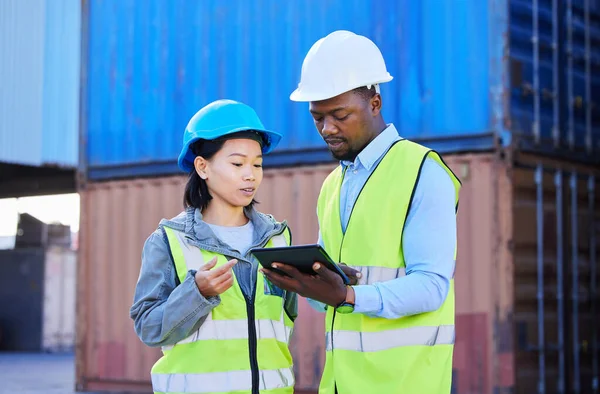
[{"x": 234, "y": 173}]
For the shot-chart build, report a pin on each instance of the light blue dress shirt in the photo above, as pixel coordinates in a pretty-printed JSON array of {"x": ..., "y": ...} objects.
[{"x": 429, "y": 237}]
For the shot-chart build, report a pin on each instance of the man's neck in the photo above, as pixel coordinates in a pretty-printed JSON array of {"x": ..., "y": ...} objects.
[{"x": 381, "y": 127}]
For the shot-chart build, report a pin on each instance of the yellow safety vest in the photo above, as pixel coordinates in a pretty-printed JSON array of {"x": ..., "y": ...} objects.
[
  {"x": 241, "y": 347},
  {"x": 409, "y": 355}
]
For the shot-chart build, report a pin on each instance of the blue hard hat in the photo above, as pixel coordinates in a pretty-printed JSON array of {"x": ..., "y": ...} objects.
[{"x": 218, "y": 119}]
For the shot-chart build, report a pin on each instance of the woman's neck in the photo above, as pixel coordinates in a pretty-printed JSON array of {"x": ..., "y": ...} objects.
[{"x": 224, "y": 215}]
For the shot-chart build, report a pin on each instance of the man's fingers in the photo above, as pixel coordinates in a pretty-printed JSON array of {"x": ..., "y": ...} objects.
[
  {"x": 210, "y": 265},
  {"x": 288, "y": 269},
  {"x": 281, "y": 281},
  {"x": 350, "y": 271},
  {"x": 352, "y": 274},
  {"x": 272, "y": 275},
  {"x": 325, "y": 273}
]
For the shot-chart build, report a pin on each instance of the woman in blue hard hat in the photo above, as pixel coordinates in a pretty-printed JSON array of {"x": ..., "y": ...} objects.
[{"x": 222, "y": 327}]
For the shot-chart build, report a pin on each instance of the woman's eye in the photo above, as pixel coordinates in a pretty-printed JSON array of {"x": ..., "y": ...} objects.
[
  {"x": 258, "y": 165},
  {"x": 237, "y": 164}
]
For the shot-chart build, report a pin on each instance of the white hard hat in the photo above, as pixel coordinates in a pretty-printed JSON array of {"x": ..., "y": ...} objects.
[{"x": 338, "y": 63}]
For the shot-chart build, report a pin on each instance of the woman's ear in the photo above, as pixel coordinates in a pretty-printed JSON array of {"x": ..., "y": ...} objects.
[{"x": 200, "y": 164}]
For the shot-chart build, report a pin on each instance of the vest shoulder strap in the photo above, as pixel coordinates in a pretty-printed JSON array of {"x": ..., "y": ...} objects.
[{"x": 185, "y": 256}]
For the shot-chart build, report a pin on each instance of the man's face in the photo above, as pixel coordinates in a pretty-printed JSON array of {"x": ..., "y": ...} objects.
[{"x": 346, "y": 123}]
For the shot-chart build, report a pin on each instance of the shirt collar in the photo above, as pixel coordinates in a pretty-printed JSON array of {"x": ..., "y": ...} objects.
[{"x": 376, "y": 148}]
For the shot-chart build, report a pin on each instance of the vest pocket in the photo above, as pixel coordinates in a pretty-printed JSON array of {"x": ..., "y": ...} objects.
[{"x": 271, "y": 289}]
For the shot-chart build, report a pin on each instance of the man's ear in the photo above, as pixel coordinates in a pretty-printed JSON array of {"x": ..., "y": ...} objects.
[{"x": 375, "y": 104}]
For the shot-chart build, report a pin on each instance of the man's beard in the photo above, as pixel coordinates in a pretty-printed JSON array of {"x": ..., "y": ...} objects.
[{"x": 350, "y": 155}]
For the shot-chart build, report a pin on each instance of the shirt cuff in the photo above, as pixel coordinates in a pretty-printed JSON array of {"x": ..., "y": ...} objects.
[
  {"x": 367, "y": 299},
  {"x": 210, "y": 302},
  {"x": 316, "y": 305}
]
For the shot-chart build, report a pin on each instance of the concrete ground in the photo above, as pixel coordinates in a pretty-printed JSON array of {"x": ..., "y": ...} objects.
[
  {"x": 41, "y": 373},
  {"x": 29, "y": 373}
]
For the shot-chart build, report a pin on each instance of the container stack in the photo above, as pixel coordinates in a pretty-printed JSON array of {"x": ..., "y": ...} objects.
[
  {"x": 507, "y": 91},
  {"x": 38, "y": 289},
  {"x": 39, "y": 96}
]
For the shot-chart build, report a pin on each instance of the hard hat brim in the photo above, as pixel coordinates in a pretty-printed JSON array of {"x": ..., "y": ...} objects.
[
  {"x": 300, "y": 95},
  {"x": 187, "y": 157}
]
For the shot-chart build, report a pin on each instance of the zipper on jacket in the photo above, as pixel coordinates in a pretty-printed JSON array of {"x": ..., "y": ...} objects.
[{"x": 252, "y": 341}]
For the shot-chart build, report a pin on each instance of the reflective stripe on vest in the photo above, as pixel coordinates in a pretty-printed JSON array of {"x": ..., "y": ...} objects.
[
  {"x": 221, "y": 382},
  {"x": 383, "y": 340},
  {"x": 372, "y": 274},
  {"x": 237, "y": 329}
]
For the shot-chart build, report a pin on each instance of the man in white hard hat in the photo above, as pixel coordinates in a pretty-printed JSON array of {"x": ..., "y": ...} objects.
[{"x": 389, "y": 212}]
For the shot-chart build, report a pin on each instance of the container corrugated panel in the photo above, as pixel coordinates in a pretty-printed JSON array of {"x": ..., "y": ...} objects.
[
  {"x": 58, "y": 333},
  {"x": 150, "y": 69},
  {"x": 483, "y": 278},
  {"x": 555, "y": 76},
  {"x": 62, "y": 64},
  {"x": 21, "y": 78},
  {"x": 555, "y": 245},
  {"x": 39, "y": 76}
]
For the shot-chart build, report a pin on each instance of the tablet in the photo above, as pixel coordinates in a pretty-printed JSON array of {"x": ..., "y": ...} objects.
[{"x": 301, "y": 256}]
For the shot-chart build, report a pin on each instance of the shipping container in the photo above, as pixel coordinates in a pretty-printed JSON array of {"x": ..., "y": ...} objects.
[
  {"x": 21, "y": 291},
  {"x": 554, "y": 74},
  {"x": 37, "y": 289},
  {"x": 60, "y": 275},
  {"x": 469, "y": 75},
  {"x": 40, "y": 44},
  {"x": 504, "y": 231}
]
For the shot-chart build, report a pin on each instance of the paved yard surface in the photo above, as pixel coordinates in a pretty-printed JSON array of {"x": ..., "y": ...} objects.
[{"x": 27, "y": 373}]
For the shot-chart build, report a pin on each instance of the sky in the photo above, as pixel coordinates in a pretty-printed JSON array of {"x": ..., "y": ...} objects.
[{"x": 62, "y": 208}]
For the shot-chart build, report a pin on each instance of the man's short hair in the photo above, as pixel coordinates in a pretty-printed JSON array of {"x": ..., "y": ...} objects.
[{"x": 365, "y": 92}]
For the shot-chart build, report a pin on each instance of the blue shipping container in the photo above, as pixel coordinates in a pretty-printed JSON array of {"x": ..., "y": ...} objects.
[
  {"x": 554, "y": 73},
  {"x": 39, "y": 82},
  {"x": 150, "y": 68}
]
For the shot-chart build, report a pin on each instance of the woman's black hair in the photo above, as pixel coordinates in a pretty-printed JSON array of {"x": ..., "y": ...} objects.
[{"x": 196, "y": 190}]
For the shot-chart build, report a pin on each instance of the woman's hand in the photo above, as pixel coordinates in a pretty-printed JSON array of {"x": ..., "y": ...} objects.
[{"x": 214, "y": 282}]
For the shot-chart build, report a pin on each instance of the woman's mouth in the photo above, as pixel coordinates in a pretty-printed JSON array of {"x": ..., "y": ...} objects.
[{"x": 248, "y": 192}]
